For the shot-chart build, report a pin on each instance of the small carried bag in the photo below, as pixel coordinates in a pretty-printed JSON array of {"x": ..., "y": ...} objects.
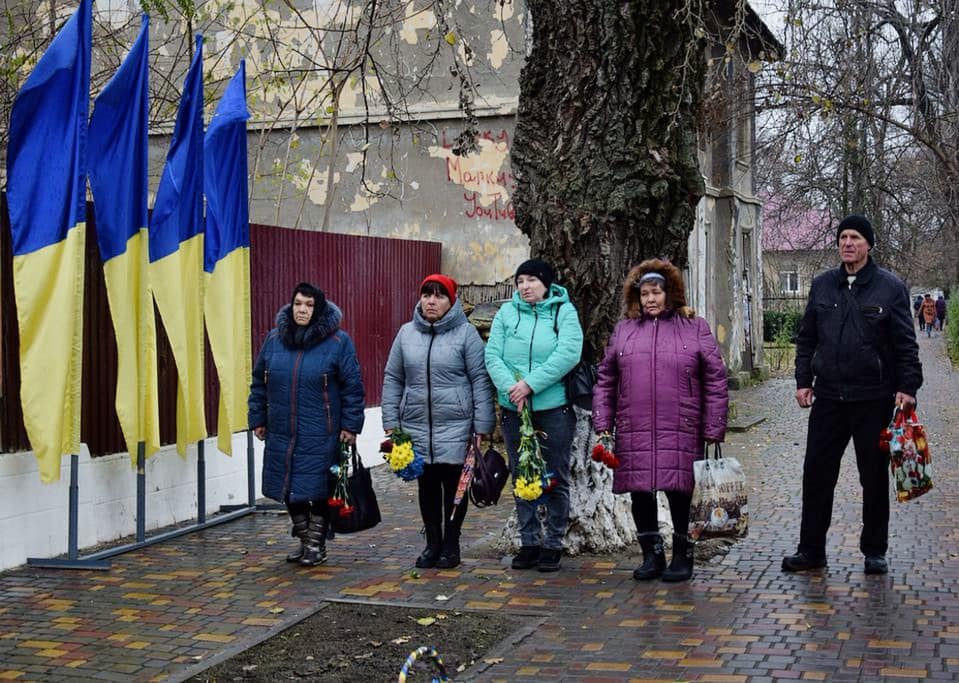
[
  {"x": 718, "y": 508},
  {"x": 579, "y": 383},
  {"x": 362, "y": 511},
  {"x": 490, "y": 473},
  {"x": 909, "y": 458}
]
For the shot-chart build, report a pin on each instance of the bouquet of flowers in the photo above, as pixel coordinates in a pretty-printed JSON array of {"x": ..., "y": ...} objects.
[
  {"x": 339, "y": 499},
  {"x": 403, "y": 459},
  {"x": 531, "y": 480},
  {"x": 603, "y": 451}
]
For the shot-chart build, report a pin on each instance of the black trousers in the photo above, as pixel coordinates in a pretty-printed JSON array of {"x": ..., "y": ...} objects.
[
  {"x": 831, "y": 425},
  {"x": 437, "y": 489},
  {"x": 646, "y": 511}
]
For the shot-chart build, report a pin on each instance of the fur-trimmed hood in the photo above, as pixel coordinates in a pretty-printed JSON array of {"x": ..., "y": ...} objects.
[
  {"x": 321, "y": 326},
  {"x": 675, "y": 290}
]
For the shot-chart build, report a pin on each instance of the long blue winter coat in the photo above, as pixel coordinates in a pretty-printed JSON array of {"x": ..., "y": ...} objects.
[{"x": 306, "y": 388}]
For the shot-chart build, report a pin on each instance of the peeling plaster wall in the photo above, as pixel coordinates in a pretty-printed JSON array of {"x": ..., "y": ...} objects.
[{"x": 423, "y": 192}]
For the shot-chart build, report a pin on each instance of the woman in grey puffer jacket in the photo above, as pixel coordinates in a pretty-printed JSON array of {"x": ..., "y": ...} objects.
[{"x": 436, "y": 390}]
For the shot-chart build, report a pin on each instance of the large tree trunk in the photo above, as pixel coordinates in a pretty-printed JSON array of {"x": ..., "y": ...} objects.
[
  {"x": 605, "y": 161},
  {"x": 604, "y": 152}
]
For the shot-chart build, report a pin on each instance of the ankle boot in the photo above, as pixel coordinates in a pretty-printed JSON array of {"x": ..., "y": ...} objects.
[
  {"x": 450, "y": 552},
  {"x": 434, "y": 541},
  {"x": 654, "y": 558},
  {"x": 314, "y": 548},
  {"x": 301, "y": 521},
  {"x": 681, "y": 566}
]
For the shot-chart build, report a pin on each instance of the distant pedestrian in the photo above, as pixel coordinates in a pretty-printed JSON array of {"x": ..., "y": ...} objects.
[
  {"x": 941, "y": 311},
  {"x": 535, "y": 340},
  {"x": 856, "y": 354},
  {"x": 662, "y": 383},
  {"x": 917, "y": 310},
  {"x": 435, "y": 388},
  {"x": 306, "y": 398},
  {"x": 929, "y": 314}
]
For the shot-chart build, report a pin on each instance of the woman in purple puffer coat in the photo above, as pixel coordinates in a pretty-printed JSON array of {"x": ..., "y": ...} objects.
[{"x": 662, "y": 386}]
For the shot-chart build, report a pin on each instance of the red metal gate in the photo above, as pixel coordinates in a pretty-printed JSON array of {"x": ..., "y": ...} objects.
[{"x": 374, "y": 280}]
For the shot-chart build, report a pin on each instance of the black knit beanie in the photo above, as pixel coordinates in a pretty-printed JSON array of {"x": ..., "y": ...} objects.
[
  {"x": 537, "y": 268},
  {"x": 861, "y": 225}
]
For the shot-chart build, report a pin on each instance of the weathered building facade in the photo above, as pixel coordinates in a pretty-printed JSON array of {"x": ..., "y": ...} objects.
[{"x": 356, "y": 121}]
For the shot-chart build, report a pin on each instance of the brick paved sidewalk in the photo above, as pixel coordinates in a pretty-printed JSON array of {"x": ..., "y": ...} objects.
[{"x": 173, "y": 608}]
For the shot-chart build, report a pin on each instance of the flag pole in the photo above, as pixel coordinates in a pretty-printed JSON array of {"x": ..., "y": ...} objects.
[
  {"x": 141, "y": 491},
  {"x": 201, "y": 481},
  {"x": 74, "y": 506},
  {"x": 250, "y": 466}
]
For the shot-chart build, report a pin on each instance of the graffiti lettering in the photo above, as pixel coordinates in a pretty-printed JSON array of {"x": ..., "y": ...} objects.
[
  {"x": 497, "y": 210},
  {"x": 455, "y": 173},
  {"x": 500, "y": 137}
]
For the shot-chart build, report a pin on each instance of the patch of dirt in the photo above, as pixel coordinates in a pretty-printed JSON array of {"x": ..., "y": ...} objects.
[{"x": 358, "y": 642}]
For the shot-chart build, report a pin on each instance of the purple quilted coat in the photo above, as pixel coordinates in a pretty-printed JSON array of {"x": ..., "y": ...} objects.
[{"x": 662, "y": 385}]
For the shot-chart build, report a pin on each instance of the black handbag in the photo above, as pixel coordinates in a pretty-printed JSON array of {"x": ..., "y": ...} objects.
[
  {"x": 579, "y": 384},
  {"x": 363, "y": 511},
  {"x": 490, "y": 473}
]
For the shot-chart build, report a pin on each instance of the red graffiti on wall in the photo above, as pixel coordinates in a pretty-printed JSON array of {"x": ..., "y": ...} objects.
[
  {"x": 500, "y": 137},
  {"x": 463, "y": 172},
  {"x": 497, "y": 210}
]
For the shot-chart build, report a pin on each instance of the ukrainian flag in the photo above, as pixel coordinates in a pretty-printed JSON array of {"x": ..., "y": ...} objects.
[
  {"x": 117, "y": 146},
  {"x": 227, "y": 256},
  {"x": 176, "y": 254},
  {"x": 46, "y": 197}
]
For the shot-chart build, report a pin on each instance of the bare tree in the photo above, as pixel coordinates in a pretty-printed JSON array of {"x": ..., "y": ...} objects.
[{"x": 861, "y": 116}]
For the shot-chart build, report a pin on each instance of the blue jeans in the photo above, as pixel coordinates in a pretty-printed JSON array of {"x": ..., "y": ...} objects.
[{"x": 557, "y": 426}]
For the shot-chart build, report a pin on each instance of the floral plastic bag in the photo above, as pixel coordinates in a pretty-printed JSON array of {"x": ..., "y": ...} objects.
[
  {"x": 718, "y": 508},
  {"x": 909, "y": 458}
]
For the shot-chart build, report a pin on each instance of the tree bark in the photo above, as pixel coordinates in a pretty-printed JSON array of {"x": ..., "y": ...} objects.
[
  {"x": 604, "y": 152},
  {"x": 605, "y": 160}
]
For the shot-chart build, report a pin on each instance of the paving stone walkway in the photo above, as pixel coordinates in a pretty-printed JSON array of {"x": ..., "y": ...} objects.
[{"x": 167, "y": 611}]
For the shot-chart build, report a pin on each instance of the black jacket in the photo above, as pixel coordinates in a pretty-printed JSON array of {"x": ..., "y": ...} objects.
[{"x": 858, "y": 343}]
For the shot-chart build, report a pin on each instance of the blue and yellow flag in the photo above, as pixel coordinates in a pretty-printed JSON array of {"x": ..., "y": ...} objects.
[
  {"x": 176, "y": 254},
  {"x": 227, "y": 257},
  {"x": 46, "y": 197},
  {"x": 117, "y": 146}
]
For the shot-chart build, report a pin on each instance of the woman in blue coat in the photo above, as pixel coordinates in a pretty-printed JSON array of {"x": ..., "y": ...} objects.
[{"x": 306, "y": 397}]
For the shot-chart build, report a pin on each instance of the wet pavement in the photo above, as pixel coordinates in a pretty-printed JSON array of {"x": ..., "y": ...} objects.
[{"x": 167, "y": 611}]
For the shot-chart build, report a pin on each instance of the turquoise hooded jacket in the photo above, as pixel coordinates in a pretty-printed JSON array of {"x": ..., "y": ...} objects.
[{"x": 540, "y": 343}]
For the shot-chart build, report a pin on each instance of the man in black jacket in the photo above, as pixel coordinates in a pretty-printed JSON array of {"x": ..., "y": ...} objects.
[{"x": 857, "y": 355}]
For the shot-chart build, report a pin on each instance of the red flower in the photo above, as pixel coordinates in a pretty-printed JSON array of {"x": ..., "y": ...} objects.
[
  {"x": 386, "y": 446},
  {"x": 335, "y": 502},
  {"x": 598, "y": 451},
  {"x": 550, "y": 485},
  {"x": 346, "y": 511}
]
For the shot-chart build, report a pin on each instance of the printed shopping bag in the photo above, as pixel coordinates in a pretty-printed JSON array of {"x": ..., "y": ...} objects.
[
  {"x": 909, "y": 458},
  {"x": 718, "y": 508}
]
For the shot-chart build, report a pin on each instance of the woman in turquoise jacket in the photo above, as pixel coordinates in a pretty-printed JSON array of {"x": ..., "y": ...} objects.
[{"x": 536, "y": 339}]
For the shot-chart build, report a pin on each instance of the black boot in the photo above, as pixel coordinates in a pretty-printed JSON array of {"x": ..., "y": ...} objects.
[
  {"x": 681, "y": 566},
  {"x": 314, "y": 548},
  {"x": 301, "y": 521},
  {"x": 434, "y": 541},
  {"x": 654, "y": 559},
  {"x": 450, "y": 551}
]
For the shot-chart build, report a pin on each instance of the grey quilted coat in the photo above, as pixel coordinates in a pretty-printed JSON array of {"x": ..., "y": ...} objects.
[{"x": 436, "y": 388}]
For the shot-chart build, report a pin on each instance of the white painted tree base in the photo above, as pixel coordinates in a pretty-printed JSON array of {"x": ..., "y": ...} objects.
[{"x": 599, "y": 521}]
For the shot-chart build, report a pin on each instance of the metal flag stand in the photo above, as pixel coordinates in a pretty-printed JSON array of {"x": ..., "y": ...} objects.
[{"x": 99, "y": 560}]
